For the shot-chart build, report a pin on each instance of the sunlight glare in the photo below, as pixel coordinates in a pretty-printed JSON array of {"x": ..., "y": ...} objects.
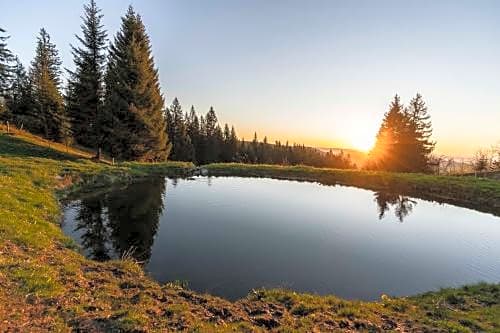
[{"x": 363, "y": 141}]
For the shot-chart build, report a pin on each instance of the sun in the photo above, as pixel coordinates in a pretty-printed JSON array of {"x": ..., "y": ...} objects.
[{"x": 363, "y": 141}]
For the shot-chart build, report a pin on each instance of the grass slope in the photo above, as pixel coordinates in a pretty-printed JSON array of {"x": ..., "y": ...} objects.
[{"x": 46, "y": 285}]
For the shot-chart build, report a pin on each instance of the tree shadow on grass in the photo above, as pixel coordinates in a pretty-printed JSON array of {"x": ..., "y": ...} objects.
[{"x": 11, "y": 146}]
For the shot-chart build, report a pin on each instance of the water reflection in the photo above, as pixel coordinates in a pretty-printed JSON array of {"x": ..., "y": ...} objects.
[
  {"x": 402, "y": 205},
  {"x": 122, "y": 223},
  {"x": 227, "y": 235},
  {"x": 91, "y": 220}
]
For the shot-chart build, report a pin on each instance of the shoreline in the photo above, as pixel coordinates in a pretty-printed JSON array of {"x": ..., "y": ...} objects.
[{"x": 48, "y": 285}]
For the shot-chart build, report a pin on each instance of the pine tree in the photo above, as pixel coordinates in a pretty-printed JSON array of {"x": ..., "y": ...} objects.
[
  {"x": 86, "y": 83},
  {"x": 226, "y": 154},
  {"x": 134, "y": 123},
  {"x": 20, "y": 102},
  {"x": 193, "y": 130},
  {"x": 49, "y": 113},
  {"x": 233, "y": 144},
  {"x": 388, "y": 147},
  {"x": 5, "y": 73},
  {"x": 254, "y": 149},
  {"x": 420, "y": 130},
  {"x": 403, "y": 141},
  {"x": 5, "y": 63},
  {"x": 213, "y": 135},
  {"x": 182, "y": 147}
]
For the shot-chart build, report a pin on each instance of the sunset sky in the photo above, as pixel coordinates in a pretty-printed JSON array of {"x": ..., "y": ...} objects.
[{"x": 315, "y": 72}]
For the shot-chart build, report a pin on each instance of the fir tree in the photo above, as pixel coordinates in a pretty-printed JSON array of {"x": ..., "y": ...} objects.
[
  {"x": 213, "y": 136},
  {"x": 193, "y": 130},
  {"x": 420, "y": 131},
  {"x": 403, "y": 141},
  {"x": 5, "y": 61},
  {"x": 134, "y": 123},
  {"x": 182, "y": 147},
  {"x": 86, "y": 86},
  {"x": 50, "y": 116},
  {"x": 5, "y": 73},
  {"x": 20, "y": 101},
  {"x": 226, "y": 155},
  {"x": 233, "y": 144},
  {"x": 386, "y": 153},
  {"x": 254, "y": 149}
]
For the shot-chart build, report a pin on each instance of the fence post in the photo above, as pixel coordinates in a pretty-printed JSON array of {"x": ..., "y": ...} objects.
[{"x": 8, "y": 127}]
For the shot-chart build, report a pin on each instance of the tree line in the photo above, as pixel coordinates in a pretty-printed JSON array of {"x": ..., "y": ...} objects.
[
  {"x": 112, "y": 103},
  {"x": 201, "y": 139}
]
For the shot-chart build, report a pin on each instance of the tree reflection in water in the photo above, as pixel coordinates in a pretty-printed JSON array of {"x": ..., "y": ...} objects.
[
  {"x": 92, "y": 222},
  {"x": 122, "y": 222},
  {"x": 402, "y": 205}
]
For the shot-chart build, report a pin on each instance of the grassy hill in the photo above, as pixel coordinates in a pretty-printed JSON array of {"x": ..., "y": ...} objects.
[{"x": 47, "y": 285}]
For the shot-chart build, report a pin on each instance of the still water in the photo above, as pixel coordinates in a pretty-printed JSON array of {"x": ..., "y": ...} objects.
[{"x": 226, "y": 236}]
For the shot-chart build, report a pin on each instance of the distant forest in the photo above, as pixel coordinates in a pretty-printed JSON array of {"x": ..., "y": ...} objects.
[{"x": 112, "y": 103}]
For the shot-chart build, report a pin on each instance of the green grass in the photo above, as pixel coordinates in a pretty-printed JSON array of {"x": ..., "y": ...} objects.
[{"x": 46, "y": 285}]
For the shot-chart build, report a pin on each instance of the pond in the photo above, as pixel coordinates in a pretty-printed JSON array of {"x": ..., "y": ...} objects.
[{"x": 228, "y": 235}]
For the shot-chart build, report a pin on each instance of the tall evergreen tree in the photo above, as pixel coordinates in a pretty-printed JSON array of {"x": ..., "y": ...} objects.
[
  {"x": 193, "y": 130},
  {"x": 420, "y": 131},
  {"x": 86, "y": 83},
  {"x": 20, "y": 102},
  {"x": 5, "y": 63},
  {"x": 388, "y": 145},
  {"x": 5, "y": 72},
  {"x": 403, "y": 141},
  {"x": 134, "y": 122},
  {"x": 226, "y": 154},
  {"x": 233, "y": 144},
  {"x": 50, "y": 115},
  {"x": 213, "y": 135},
  {"x": 182, "y": 147}
]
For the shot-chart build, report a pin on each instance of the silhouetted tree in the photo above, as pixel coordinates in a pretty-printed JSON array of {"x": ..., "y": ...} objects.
[
  {"x": 230, "y": 145},
  {"x": 420, "y": 132},
  {"x": 193, "y": 130},
  {"x": 213, "y": 137},
  {"x": 403, "y": 141},
  {"x": 177, "y": 128},
  {"x": 134, "y": 122},
  {"x": 86, "y": 82}
]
